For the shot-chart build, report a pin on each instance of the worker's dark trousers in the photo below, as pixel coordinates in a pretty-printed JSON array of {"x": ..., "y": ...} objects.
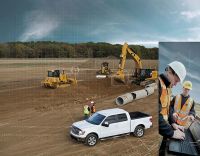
[
  {"x": 86, "y": 116},
  {"x": 163, "y": 147}
]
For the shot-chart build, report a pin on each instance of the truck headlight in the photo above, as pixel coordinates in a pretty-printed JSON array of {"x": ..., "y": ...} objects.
[{"x": 81, "y": 132}]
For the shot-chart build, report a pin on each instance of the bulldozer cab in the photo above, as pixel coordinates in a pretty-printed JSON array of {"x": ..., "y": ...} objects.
[
  {"x": 105, "y": 64},
  {"x": 57, "y": 74},
  {"x": 50, "y": 73},
  {"x": 104, "y": 67},
  {"x": 54, "y": 73}
]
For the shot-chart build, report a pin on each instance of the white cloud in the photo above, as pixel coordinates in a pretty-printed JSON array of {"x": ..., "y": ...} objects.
[
  {"x": 145, "y": 43},
  {"x": 190, "y": 14},
  {"x": 148, "y": 44},
  {"x": 38, "y": 25}
]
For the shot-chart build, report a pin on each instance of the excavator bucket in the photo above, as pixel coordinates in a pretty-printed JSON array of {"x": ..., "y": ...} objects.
[{"x": 119, "y": 78}]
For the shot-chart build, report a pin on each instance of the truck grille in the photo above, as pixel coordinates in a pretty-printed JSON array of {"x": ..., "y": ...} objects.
[{"x": 75, "y": 130}]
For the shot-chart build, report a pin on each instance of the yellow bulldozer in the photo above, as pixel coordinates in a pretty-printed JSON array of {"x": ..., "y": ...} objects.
[
  {"x": 141, "y": 76},
  {"x": 58, "y": 78},
  {"x": 104, "y": 71}
]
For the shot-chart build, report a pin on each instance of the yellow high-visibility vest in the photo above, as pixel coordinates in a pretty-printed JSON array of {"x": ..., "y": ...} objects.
[
  {"x": 184, "y": 111},
  {"x": 85, "y": 110}
]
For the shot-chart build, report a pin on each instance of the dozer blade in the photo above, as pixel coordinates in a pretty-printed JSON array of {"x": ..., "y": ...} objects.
[
  {"x": 101, "y": 76},
  {"x": 64, "y": 85},
  {"x": 49, "y": 86}
]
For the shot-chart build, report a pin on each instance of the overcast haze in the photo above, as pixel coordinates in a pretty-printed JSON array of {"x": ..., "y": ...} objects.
[{"x": 113, "y": 21}]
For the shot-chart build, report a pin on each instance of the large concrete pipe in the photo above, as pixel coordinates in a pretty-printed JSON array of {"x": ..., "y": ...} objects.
[
  {"x": 152, "y": 85},
  {"x": 129, "y": 97}
]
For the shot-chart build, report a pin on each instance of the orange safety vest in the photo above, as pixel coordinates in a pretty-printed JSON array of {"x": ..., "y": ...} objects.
[
  {"x": 93, "y": 110},
  {"x": 165, "y": 99},
  {"x": 184, "y": 111}
]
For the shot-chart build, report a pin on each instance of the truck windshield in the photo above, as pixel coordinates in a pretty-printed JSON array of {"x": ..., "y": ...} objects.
[{"x": 95, "y": 119}]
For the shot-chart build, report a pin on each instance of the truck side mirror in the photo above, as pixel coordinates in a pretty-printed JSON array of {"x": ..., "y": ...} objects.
[{"x": 106, "y": 124}]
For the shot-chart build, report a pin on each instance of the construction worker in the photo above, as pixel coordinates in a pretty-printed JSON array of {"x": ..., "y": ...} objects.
[
  {"x": 92, "y": 107},
  {"x": 87, "y": 108},
  {"x": 175, "y": 72},
  {"x": 86, "y": 111},
  {"x": 182, "y": 107}
]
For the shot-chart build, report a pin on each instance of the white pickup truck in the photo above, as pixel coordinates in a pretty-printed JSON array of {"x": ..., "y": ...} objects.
[{"x": 110, "y": 123}]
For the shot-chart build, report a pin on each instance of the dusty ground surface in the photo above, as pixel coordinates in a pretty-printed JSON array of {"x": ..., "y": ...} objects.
[{"x": 35, "y": 121}]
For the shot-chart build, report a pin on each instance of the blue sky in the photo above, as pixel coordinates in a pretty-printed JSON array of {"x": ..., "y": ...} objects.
[
  {"x": 189, "y": 54},
  {"x": 114, "y": 21}
]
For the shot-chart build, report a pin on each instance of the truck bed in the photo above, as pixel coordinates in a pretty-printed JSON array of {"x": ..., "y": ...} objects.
[{"x": 137, "y": 115}]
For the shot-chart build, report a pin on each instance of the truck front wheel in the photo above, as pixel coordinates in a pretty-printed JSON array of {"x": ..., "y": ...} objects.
[
  {"x": 91, "y": 140},
  {"x": 139, "y": 131}
]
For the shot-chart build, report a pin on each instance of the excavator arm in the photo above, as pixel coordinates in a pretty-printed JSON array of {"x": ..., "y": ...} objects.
[{"x": 120, "y": 76}]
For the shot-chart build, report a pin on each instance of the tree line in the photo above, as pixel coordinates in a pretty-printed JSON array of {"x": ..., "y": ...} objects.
[{"x": 48, "y": 49}]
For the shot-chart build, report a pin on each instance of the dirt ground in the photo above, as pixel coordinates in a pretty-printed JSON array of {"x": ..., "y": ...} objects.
[{"x": 36, "y": 121}]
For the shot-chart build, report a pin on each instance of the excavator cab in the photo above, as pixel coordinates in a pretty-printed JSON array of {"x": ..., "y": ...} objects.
[
  {"x": 144, "y": 76},
  {"x": 143, "y": 73}
]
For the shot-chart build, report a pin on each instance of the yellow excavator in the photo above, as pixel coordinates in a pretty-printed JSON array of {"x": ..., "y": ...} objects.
[
  {"x": 104, "y": 71},
  {"x": 140, "y": 76},
  {"x": 58, "y": 78}
]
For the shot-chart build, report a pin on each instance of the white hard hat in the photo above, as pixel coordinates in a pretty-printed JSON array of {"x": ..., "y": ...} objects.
[
  {"x": 179, "y": 69},
  {"x": 92, "y": 102}
]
